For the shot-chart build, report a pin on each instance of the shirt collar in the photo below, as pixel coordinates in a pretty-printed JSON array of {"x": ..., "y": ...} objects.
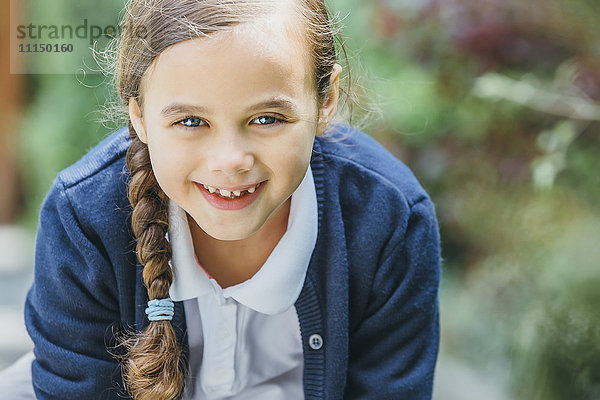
[{"x": 277, "y": 284}]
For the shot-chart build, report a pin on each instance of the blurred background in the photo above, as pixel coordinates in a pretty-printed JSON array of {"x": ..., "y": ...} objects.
[{"x": 494, "y": 104}]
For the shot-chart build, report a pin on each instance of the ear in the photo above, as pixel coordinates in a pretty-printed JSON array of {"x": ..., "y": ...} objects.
[
  {"x": 135, "y": 115},
  {"x": 328, "y": 110}
]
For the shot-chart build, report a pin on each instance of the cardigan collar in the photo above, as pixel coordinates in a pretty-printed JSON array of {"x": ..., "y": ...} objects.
[{"x": 326, "y": 286}]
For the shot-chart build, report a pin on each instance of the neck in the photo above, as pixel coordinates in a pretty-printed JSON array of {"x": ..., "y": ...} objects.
[{"x": 231, "y": 262}]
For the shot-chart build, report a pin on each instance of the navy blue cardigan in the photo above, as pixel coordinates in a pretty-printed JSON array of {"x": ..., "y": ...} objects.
[{"x": 371, "y": 289}]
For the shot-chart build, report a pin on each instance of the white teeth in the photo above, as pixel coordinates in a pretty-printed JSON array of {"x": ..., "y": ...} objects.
[{"x": 229, "y": 193}]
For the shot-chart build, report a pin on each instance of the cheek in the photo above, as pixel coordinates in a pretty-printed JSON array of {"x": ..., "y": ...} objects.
[
  {"x": 168, "y": 166},
  {"x": 293, "y": 156},
  {"x": 301, "y": 148}
]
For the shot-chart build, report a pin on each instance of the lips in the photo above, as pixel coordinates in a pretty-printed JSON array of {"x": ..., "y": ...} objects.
[{"x": 227, "y": 199}]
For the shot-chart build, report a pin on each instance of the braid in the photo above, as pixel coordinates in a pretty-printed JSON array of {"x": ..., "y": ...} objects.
[{"x": 153, "y": 367}]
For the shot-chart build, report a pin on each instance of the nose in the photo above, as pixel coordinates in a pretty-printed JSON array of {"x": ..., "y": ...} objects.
[{"x": 229, "y": 154}]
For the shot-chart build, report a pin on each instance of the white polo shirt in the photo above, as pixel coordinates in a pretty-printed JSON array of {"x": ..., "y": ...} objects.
[{"x": 244, "y": 340}]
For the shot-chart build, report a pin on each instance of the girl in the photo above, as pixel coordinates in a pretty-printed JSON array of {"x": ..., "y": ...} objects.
[{"x": 222, "y": 246}]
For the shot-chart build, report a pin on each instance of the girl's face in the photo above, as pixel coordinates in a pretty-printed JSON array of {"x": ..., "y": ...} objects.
[{"x": 230, "y": 122}]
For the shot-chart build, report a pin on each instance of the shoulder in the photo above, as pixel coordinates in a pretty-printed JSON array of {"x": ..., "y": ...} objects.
[
  {"x": 98, "y": 160},
  {"x": 360, "y": 159},
  {"x": 100, "y": 174},
  {"x": 91, "y": 195},
  {"x": 374, "y": 190}
]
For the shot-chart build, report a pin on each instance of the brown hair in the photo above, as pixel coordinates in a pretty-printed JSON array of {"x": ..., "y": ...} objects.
[{"x": 152, "y": 366}]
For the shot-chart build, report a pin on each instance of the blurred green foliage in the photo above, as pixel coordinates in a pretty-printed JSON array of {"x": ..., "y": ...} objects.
[
  {"x": 494, "y": 105},
  {"x": 59, "y": 124}
]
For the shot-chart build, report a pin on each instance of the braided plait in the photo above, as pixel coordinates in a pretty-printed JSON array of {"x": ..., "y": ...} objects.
[{"x": 153, "y": 367}]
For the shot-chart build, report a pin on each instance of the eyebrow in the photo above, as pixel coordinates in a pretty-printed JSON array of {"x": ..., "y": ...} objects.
[{"x": 279, "y": 103}]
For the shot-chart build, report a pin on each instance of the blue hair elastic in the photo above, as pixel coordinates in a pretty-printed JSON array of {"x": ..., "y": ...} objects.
[{"x": 160, "y": 310}]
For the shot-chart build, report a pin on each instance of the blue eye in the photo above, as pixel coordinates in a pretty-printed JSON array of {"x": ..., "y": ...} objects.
[
  {"x": 267, "y": 120},
  {"x": 190, "y": 122}
]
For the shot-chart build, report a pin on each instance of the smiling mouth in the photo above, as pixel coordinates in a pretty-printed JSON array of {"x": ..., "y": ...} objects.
[{"x": 231, "y": 194}]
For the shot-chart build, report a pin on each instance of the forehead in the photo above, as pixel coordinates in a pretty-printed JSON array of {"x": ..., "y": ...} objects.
[{"x": 266, "y": 54}]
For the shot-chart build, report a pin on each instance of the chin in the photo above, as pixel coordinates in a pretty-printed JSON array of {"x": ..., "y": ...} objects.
[{"x": 228, "y": 234}]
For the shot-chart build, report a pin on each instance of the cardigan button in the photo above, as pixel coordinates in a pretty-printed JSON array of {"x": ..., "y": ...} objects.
[{"x": 315, "y": 341}]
